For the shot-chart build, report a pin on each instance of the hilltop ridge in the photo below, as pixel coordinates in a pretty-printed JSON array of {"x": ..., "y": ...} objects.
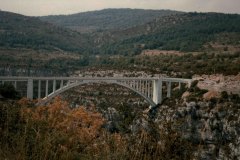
[
  {"x": 107, "y": 19},
  {"x": 18, "y": 31}
]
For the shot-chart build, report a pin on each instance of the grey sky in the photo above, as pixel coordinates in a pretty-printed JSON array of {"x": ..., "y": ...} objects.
[{"x": 49, "y": 7}]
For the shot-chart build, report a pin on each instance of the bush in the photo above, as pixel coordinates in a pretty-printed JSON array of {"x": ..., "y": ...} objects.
[
  {"x": 8, "y": 91},
  {"x": 194, "y": 83},
  {"x": 235, "y": 98},
  {"x": 224, "y": 95},
  {"x": 48, "y": 132}
]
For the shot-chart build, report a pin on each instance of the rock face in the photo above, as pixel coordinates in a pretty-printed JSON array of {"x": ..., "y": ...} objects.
[
  {"x": 213, "y": 127},
  {"x": 112, "y": 116},
  {"x": 219, "y": 83}
]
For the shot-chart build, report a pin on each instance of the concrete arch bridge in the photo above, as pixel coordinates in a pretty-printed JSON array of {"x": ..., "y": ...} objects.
[{"x": 148, "y": 88}]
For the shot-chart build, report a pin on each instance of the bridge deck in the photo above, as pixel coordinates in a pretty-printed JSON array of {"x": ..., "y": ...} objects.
[{"x": 95, "y": 78}]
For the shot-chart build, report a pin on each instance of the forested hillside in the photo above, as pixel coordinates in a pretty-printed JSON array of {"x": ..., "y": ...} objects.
[
  {"x": 118, "y": 31},
  {"x": 183, "y": 32},
  {"x": 107, "y": 19},
  {"x": 18, "y": 31},
  {"x": 129, "y": 31}
]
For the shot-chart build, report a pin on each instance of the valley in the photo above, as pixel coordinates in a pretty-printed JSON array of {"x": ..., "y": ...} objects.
[{"x": 106, "y": 121}]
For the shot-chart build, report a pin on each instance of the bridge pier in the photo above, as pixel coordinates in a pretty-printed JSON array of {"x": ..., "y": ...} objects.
[
  {"x": 30, "y": 88},
  {"x": 61, "y": 84},
  {"x": 46, "y": 91},
  {"x": 54, "y": 85},
  {"x": 169, "y": 85},
  {"x": 189, "y": 83},
  {"x": 39, "y": 89},
  {"x": 157, "y": 91},
  {"x": 137, "y": 85},
  {"x": 15, "y": 84}
]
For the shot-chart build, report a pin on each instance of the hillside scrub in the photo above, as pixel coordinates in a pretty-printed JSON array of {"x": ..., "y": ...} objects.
[
  {"x": 57, "y": 131},
  {"x": 184, "y": 66}
]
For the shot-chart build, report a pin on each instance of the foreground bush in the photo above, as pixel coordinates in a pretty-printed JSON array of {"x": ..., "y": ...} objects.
[
  {"x": 59, "y": 132},
  {"x": 8, "y": 91}
]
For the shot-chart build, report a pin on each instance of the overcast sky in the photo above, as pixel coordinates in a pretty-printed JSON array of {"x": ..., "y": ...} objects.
[{"x": 50, "y": 7}]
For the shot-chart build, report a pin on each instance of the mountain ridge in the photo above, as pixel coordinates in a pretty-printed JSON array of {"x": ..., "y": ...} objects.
[
  {"x": 107, "y": 19},
  {"x": 184, "y": 32},
  {"x": 177, "y": 31},
  {"x": 19, "y": 31}
]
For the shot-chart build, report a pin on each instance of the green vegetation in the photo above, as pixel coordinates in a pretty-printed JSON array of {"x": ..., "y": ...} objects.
[
  {"x": 118, "y": 31},
  {"x": 182, "y": 32},
  {"x": 107, "y": 19},
  {"x": 184, "y": 66},
  {"x": 178, "y": 66},
  {"x": 17, "y": 31}
]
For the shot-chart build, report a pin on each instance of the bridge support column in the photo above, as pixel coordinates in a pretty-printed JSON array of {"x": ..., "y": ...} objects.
[
  {"x": 157, "y": 91},
  {"x": 144, "y": 88},
  {"x": 15, "y": 84},
  {"x": 148, "y": 89},
  {"x": 189, "y": 83},
  {"x": 46, "y": 91},
  {"x": 169, "y": 85},
  {"x": 68, "y": 82},
  {"x": 136, "y": 85},
  {"x": 61, "y": 84},
  {"x": 54, "y": 85},
  {"x": 30, "y": 89},
  {"x": 140, "y": 86},
  {"x": 39, "y": 89}
]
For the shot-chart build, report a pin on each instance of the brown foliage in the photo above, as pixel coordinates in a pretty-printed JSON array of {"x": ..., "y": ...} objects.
[
  {"x": 78, "y": 124},
  {"x": 56, "y": 131}
]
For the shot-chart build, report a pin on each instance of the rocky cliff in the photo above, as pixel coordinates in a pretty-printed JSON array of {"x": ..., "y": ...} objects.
[{"x": 211, "y": 126}]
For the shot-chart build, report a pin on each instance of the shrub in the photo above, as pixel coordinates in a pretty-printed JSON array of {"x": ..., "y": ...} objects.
[
  {"x": 224, "y": 95},
  {"x": 8, "y": 91},
  {"x": 194, "y": 83},
  {"x": 48, "y": 132}
]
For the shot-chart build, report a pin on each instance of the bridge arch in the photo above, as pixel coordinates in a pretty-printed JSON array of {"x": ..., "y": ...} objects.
[{"x": 75, "y": 84}]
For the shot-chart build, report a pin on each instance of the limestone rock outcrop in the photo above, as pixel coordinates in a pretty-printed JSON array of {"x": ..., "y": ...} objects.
[{"x": 214, "y": 127}]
